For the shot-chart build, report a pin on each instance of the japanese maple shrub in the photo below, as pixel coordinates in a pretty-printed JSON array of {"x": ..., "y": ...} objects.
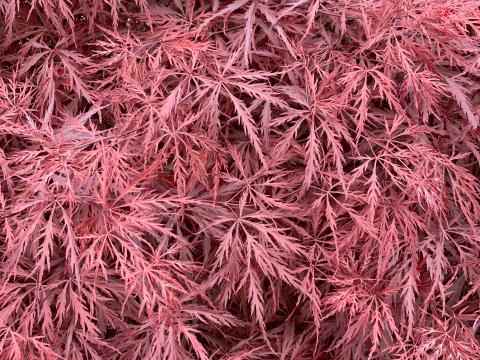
[{"x": 239, "y": 180}]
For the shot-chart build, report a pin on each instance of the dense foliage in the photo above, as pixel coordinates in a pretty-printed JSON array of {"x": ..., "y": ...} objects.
[{"x": 248, "y": 179}]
